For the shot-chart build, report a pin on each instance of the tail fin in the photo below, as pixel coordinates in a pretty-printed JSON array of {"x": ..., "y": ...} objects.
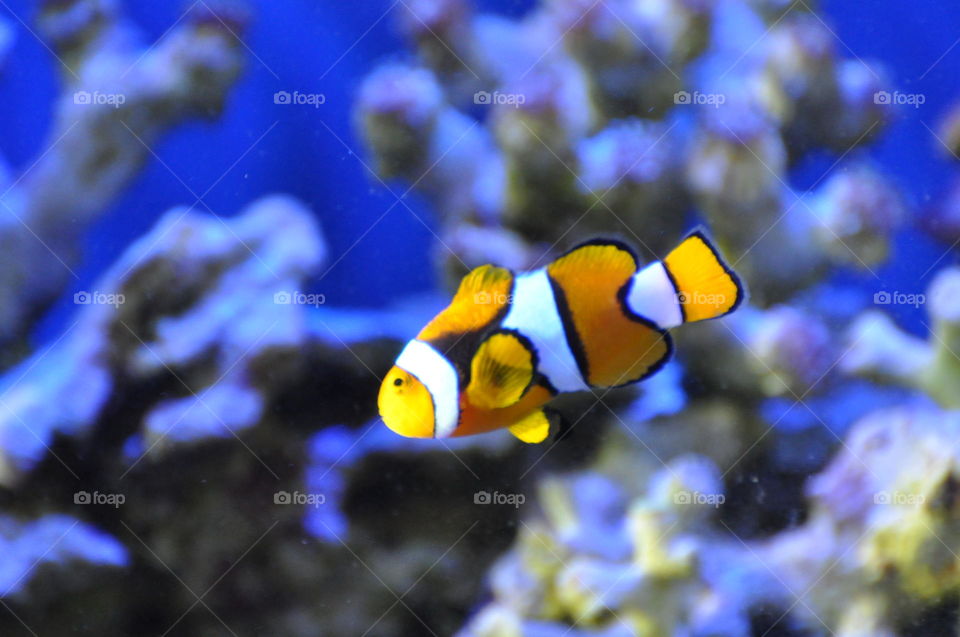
[{"x": 706, "y": 286}]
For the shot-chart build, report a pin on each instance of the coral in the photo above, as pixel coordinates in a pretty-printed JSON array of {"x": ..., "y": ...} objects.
[
  {"x": 876, "y": 548},
  {"x": 855, "y": 211},
  {"x": 597, "y": 118},
  {"x": 230, "y": 286},
  {"x": 942, "y": 218},
  {"x": 203, "y": 433},
  {"x": 819, "y": 99},
  {"x": 198, "y": 364},
  {"x": 880, "y": 350},
  {"x": 886, "y": 509},
  {"x": 118, "y": 98},
  {"x": 625, "y": 118},
  {"x": 949, "y": 134},
  {"x": 791, "y": 350},
  {"x": 615, "y": 566},
  {"x": 642, "y": 111},
  {"x": 52, "y": 539}
]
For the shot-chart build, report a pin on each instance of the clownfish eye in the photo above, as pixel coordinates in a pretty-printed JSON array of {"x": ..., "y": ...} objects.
[{"x": 397, "y": 382}]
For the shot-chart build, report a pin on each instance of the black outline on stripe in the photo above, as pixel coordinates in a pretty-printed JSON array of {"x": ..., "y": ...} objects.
[
  {"x": 676, "y": 290},
  {"x": 543, "y": 381},
  {"x": 574, "y": 342},
  {"x": 637, "y": 318},
  {"x": 539, "y": 378}
]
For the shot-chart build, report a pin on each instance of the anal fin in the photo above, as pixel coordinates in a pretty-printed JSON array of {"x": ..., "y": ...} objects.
[{"x": 533, "y": 428}]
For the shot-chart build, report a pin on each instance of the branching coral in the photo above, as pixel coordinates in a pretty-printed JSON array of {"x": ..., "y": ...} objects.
[
  {"x": 882, "y": 351},
  {"x": 632, "y": 119},
  {"x": 606, "y": 566},
  {"x": 614, "y": 116},
  {"x": 882, "y": 525},
  {"x": 118, "y": 98},
  {"x": 878, "y": 546},
  {"x": 200, "y": 382},
  {"x": 207, "y": 303}
]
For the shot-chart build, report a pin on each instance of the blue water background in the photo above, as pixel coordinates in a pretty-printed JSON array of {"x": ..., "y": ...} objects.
[{"x": 298, "y": 45}]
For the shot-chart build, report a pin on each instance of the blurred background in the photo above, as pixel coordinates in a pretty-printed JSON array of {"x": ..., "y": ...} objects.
[{"x": 219, "y": 222}]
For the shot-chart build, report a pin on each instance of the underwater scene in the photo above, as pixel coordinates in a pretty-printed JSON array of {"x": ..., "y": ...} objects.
[{"x": 479, "y": 318}]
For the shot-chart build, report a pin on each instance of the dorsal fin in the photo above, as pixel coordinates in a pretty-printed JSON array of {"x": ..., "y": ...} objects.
[
  {"x": 601, "y": 254},
  {"x": 501, "y": 371},
  {"x": 484, "y": 278},
  {"x": 481, "y": 295}
]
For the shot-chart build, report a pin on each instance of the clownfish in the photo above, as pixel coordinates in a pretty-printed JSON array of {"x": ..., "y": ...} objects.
[{"x": 509, "y": 343}]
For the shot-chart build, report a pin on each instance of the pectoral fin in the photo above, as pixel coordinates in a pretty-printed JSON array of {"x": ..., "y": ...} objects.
[
  {"x": 501, "y": 371},
  {"x": 532, "y": 429}
]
